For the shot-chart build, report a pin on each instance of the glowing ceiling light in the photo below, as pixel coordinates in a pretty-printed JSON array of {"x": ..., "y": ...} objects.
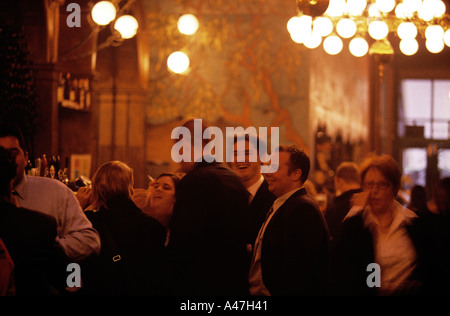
[
  {"x": 378, "y": 30},
  {"x": 358, "y": 47},
  {"x": 178, "y": 62},
  {"x": 346, "y": 28},
  {"x": 127, "y": 26},
  {"x": 407, "y": 30},
  {"x": 409, "y": 46},
  {"x": 103, "y": 12},
  {"x": 333, "y": 44},
  {"x": 188, "y": 24}
]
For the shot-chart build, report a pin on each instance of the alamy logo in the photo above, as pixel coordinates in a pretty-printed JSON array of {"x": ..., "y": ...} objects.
[
  {"x": 374, "y": 278},
  {"x": 74, "y": 18},
  {"x": 74, "y": 278},
  {"x": 214, "y": 150}
]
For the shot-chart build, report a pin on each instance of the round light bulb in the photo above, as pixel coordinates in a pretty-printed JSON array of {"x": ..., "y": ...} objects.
[
  {"x": 299, "y": 24},
  {"x": 411, "y": 6},
  {"x": 439, "y": 8},
  {"x": 434, "y": 45},
  {"x": 335, "y": 8},
  {"x": 178, "y": 62},
  {"x": 103, "y": 12},
  {"x": 378, "y": 30},
  {"x": 298, "y": 37},
  {"x": 358, "y": 47},
  {"x": 300, "y": 28},
  {"x": 400, "y": 11},
  {"x": 188, "y": 24},
  {"x": 426, "y": 11},
  {"x": 333, "y": 45},
  {"x": 407, "y": 30},
  {"x": 292, "y": 24},
  {"x": 127, "y": 26},
  {"x": 356, "y": 7},
  {"x": 447, "y": 37},
  {"x": 346, "y": 28},
  {"x": 409, "y": 46},
  {"x": 323, "y": 26},
  {"x": 313, "y": 40},
  {"x": 434, "y": 32},
  {"x": 385, "y": 5}
]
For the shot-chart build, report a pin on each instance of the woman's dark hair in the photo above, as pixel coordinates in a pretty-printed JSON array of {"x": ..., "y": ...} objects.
[
  {"x": 387, "y": 166},
  {"x": 175, "y": 179}
]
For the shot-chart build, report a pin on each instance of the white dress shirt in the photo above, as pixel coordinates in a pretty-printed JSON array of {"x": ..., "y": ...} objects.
[{"x": 254, "y": 188}]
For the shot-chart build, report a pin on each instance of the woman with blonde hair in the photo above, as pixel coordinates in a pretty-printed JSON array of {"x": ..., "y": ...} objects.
[{"x": 132, "y": 253}]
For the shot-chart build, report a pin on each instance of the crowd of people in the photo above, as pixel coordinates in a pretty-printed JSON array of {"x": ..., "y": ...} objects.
[{"x": 221, "y": 229}]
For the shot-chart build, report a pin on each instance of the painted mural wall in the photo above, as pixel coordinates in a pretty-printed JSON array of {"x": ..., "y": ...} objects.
[{"x": 246, "y": 71}]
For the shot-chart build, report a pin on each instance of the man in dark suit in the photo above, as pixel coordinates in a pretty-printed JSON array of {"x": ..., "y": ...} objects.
[
  {"x": 291, "y": 254},
  {"x": 346, "y": 183},
  {"x": 249, "y": 170},
  {"x": 207, "y": 246},
  {"x": 29, "y": 236}
]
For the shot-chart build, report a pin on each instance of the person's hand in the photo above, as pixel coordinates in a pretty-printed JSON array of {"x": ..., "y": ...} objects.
[{"x": 84, "y": 197}]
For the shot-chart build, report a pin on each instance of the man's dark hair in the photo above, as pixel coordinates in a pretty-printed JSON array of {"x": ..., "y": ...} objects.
[
  {"x": 349, "y": 172},
  {"x": 298, "y": 159},
  {"x": 7, "y": 129},
  {"x": 259, "y": 144},
  {"x": 8, "y": 171}
]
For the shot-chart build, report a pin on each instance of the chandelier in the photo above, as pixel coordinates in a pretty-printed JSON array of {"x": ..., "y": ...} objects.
[{"x": 369, "y": 26}]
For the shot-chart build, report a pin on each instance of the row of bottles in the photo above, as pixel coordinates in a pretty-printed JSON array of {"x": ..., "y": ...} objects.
[
  {"x": 49, "y": 167},
  {"x": 73, "y": 92}
]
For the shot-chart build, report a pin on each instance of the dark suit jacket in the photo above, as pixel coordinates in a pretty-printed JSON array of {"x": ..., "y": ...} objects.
[
  {"x": 260, "y": 205},
  {"x": 29, "y": 237},
  {"x": 139, "y": 239},
  {"x": 295, "y": 249},
  {"x": 338, "y": 209},
  {"x": 207, "y": 237}
]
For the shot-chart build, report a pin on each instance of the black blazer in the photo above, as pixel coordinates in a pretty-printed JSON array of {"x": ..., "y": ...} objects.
[
  {"x": 29, "y": 236},
  {"x": 295, "y": 249},
  {"x": 338, "y": 209},
  {"x": 207, "y": 242},
  {"x": 259, "y": 207},
  {"x": 139, "y": 240}
]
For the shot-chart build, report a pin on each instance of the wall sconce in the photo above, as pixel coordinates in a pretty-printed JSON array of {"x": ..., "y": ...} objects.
[
  {"x": 178, "y": 62},
  {"x": 102, "y": 14}
]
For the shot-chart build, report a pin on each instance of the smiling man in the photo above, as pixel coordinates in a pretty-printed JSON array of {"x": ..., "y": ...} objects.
[
  {"x": 260, "y": 198},
  {"x": 291, "y": 254}
]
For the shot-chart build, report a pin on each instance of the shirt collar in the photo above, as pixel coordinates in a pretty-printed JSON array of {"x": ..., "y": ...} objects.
[
  {"x": 255, "y": 186},
  {"x": 278, "y": 202},
  {"x": 402, "y": 217}
]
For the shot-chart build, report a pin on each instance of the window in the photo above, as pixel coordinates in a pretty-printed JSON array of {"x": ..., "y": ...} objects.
[
  {"x": 425, "y": 103},
  {"x": 415, "y": 164}
]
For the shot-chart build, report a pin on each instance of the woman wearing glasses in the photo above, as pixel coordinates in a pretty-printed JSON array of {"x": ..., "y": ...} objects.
[{"x": 382, "y": 248}]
